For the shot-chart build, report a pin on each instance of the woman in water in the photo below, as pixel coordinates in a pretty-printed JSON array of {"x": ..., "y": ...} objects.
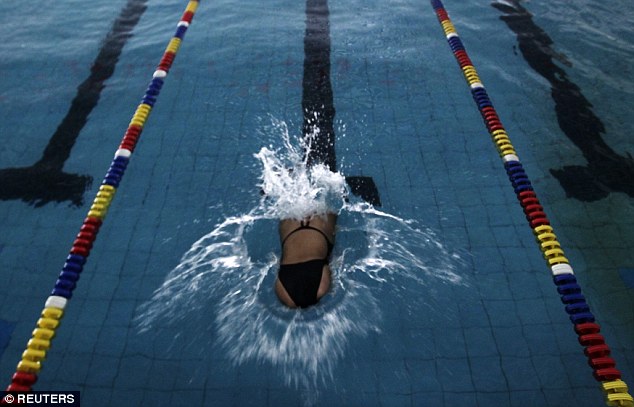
[{"x": 304, "y": 275}]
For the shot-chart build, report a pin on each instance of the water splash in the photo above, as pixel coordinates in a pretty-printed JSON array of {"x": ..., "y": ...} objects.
[
  {"x": 294, "y": 189},
  {"x": 401, "y": 247},
  {"x": 224, "y": 282}
]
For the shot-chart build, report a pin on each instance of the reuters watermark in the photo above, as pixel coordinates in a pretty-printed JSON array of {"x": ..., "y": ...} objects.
[{"x": 41, "y": 398}]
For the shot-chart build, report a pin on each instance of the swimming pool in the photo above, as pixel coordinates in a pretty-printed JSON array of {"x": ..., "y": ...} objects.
[{"x": 404, "y": 117}]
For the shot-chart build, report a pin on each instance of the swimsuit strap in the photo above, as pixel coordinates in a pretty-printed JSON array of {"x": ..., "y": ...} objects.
[{"x": 306, "y": 225}]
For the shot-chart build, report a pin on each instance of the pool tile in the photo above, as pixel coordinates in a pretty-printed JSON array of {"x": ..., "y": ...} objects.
[
  {"x": 102, "y": 370},
  {"x": 527, "y": 398},
  {"x": 423, "y": 375},
  {"x": 125, "y": 397},
  {"x": 454, "y": 375},
  {"x": 627, "y": 275},
  {"x": 480, "y": 342},
  {"x": 488, "y": 375},
  {"x": 493, "y": 399},
  {"x": 551, "y": 371},
  {"x": 394, "y": 378},
  {"x": 511, "y": 341}
]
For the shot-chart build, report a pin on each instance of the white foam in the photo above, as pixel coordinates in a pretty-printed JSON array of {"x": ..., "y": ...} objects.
[{"x": 293, "y": 189}]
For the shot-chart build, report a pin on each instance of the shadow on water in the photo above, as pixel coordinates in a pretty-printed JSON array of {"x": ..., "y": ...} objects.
[
  {"x": 45, "y": 181},
  {"x": 606, "y": 171}
]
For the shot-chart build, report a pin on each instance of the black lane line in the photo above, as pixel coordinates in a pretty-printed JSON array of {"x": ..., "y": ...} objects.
[
  {"x": 319, "y": 110},
  {"x": 45, "y": 181},
  {"x": 606, "y": 171},
  {"x": 317, "y": 99}
]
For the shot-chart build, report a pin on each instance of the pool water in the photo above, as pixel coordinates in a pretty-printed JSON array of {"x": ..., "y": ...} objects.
[{"x": 442, "y": 295}]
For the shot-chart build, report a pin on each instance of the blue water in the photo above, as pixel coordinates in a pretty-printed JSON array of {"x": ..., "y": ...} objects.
[{"x": 442, "y": 297}]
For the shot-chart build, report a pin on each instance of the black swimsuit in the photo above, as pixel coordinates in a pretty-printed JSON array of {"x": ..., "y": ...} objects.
[{"x": 302, "y": 280}]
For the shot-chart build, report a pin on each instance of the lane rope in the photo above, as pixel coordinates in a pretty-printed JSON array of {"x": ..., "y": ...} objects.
[
  {"x": 587, "y": 329},
  {"x": 40, "y": 343}
]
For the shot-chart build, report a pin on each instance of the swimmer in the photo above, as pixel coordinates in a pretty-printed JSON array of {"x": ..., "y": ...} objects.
[{"x": 304, "y": 276}]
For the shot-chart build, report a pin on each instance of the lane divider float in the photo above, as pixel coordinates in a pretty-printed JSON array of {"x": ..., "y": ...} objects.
[
  {"x": 588, "y": 331},
  {"x": 37, "y": 347}
]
